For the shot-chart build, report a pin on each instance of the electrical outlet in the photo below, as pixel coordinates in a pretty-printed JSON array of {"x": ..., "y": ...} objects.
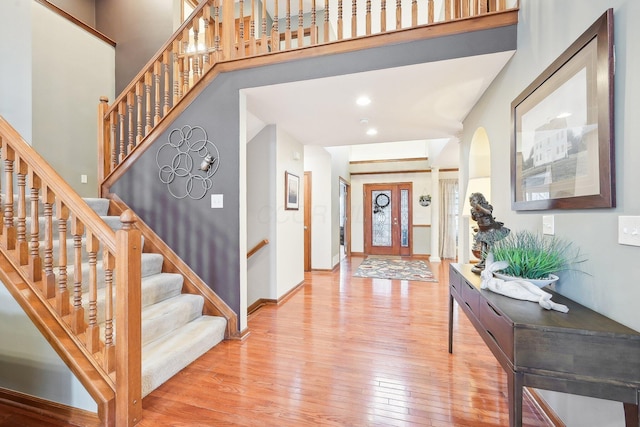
[{"x": 629, "y": 230}]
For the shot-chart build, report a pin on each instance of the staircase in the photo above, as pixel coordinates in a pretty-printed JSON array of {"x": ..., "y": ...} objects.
[
  {"x": 174, "y": 330},
  {"x": 79, "y": 266}
]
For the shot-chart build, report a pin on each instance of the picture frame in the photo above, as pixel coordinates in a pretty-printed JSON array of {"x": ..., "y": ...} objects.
[
  {"x": 291, "y": 191},
  {"x": 562, "y": 138}
]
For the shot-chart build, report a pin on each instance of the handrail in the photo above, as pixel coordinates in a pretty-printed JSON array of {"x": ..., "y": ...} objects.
[
  {"x": 213, "y": 34},
  {"x": 256, "y": 248},
  {"x": 73, "y": 330}
]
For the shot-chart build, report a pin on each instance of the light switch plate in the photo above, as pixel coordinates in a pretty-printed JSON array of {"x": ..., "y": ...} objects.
[
  {"x": 629, "y": 230},
  {"x": 217, "y": 201},
  {"x": 548, "y": 225}
]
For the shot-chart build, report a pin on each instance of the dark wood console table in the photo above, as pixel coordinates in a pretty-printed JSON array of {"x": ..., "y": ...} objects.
[{"x": 579, "y": 352}]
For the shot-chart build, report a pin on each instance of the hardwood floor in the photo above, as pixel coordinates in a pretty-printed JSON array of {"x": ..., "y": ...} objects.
[{"x": 343, "y": 351}]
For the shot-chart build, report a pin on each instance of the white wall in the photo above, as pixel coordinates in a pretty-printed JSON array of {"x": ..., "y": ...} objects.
[
  {"x": 317, "y": 160},
  {"x": 290, "y": 224},
  {"x": 261, "y": 215},
  {"x": 72, "y": 69},
  {"x": 29, "y": 365},
  {"x": 545, "y": 30},
  {"x": 339, "y": 169},
  {"x": 15, "y": 66}
]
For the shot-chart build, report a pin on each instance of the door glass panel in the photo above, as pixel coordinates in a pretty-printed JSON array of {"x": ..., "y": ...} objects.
[
  {"x": 404, "y": 218},
  {"x": 381, "y": 218}
]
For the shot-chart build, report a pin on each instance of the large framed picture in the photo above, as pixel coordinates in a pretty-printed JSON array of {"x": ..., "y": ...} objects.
[
  {"x": 292, "y": 191},
  {"x": 562, "y": 139}
]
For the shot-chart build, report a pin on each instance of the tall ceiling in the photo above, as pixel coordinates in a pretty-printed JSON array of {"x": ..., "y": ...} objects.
[{"x": 427, "y": 101}]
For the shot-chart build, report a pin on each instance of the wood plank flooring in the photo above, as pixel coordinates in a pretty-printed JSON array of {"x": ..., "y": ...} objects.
[{"x": 342, "y": 351}]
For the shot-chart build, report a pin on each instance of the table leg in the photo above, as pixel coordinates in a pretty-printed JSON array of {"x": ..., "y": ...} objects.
[
  {"x": 450, "y": 323},
  {"x": 514, "y": 384},
  {"x": 631, "y": 415}
]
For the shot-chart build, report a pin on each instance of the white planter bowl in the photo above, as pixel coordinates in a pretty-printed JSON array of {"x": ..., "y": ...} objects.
[{"x": 541, "y": 283}]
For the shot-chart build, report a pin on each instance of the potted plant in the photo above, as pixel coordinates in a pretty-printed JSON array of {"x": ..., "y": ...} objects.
[
  {"x": 424, "y": 200},
  {"x": 534, "y": 257}
]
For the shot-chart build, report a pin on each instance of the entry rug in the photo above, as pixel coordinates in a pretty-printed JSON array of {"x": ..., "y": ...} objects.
[{"x": 394, "y": 268}]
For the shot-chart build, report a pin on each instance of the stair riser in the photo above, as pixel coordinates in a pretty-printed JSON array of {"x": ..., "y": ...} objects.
[
  {"x": 153, "y": 292},
  {"x": 161, "y": 319},
  {"x": 112, "y": 221},
  {"x": 71, "y": 252},
  {"x": 100, "y": 206}
]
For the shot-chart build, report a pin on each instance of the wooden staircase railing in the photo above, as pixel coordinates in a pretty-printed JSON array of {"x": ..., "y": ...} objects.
[
  {"x": 36, "y": 274},
  {"x": 216, "y": 33},
  {"x": 256, "y": 248}
]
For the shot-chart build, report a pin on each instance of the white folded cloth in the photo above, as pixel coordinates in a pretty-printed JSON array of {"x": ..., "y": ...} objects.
[{"x": 518, "y": 289}]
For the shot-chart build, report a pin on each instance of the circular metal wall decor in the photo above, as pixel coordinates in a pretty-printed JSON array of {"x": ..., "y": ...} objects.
[{"x": 190, "y": 162}]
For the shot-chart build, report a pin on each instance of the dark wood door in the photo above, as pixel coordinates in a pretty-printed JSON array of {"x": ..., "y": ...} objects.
[{"x": 387, "y": 219}]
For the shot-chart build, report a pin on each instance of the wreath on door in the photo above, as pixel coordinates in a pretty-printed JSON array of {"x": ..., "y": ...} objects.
[{"x": 381, "y": 202}]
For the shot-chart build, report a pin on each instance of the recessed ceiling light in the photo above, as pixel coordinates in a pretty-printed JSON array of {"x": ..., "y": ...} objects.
[
  {"x": 364, "y": 121},
  {"x": 372, "y": 131},
  {"x": 564, "y": 115},
  {"x": 363, "y": 100}
]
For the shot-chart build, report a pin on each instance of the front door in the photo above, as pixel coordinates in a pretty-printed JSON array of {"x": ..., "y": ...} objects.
[{"x": 387, "y": 219}]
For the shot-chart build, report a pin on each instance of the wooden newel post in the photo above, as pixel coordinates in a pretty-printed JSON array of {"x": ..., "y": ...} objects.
[{"x": 128, "y": 322}]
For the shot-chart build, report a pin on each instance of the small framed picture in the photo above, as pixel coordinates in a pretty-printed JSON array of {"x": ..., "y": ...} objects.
[{"x": 291, "y": 191}]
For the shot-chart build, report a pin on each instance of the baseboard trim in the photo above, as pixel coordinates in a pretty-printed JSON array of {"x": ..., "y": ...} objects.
[
  {"x": 269, "y": 301},
  {"x": 260, "y": 303},
  {"x": 242, "y": 335},
  {"x": 543, "y": 407},
  {"x": 36, "y": 405}
]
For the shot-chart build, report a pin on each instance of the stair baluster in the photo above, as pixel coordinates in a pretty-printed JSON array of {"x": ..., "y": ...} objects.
[
  {"x": 49, "y": 278},
  {"x": 93, "y": 330},
  {"x": 62, "y": 296},
  {"x": 77, "y": 315},
  {"x": 139, "y": 122},
  {"x": 35, "y": 262},
  {"x": 21, "y": 227},
  {"x": 9, "y": 232},
  {"x": 109, "y": 355}
]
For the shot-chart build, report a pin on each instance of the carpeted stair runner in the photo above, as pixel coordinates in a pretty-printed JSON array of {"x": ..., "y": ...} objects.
[{"x": 174, "y": 330}]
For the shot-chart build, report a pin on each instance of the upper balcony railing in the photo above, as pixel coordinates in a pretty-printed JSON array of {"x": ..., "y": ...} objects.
[{"x": 257, "y": 28}]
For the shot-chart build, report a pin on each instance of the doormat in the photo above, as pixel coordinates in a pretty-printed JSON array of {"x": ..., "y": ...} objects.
[{"x": 394, "y": 268}]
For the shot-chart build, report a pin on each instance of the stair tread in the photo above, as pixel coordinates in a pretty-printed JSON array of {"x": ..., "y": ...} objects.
[
  {"x": 165, "y": 357},
  {"x": 166, "y": 316}
]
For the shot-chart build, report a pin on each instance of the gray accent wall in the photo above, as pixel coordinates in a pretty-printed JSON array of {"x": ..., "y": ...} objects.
[{"x": 209, "y": 239}]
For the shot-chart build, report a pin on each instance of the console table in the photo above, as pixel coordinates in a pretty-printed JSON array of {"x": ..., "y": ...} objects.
[{"x": 579, "y": 352}]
